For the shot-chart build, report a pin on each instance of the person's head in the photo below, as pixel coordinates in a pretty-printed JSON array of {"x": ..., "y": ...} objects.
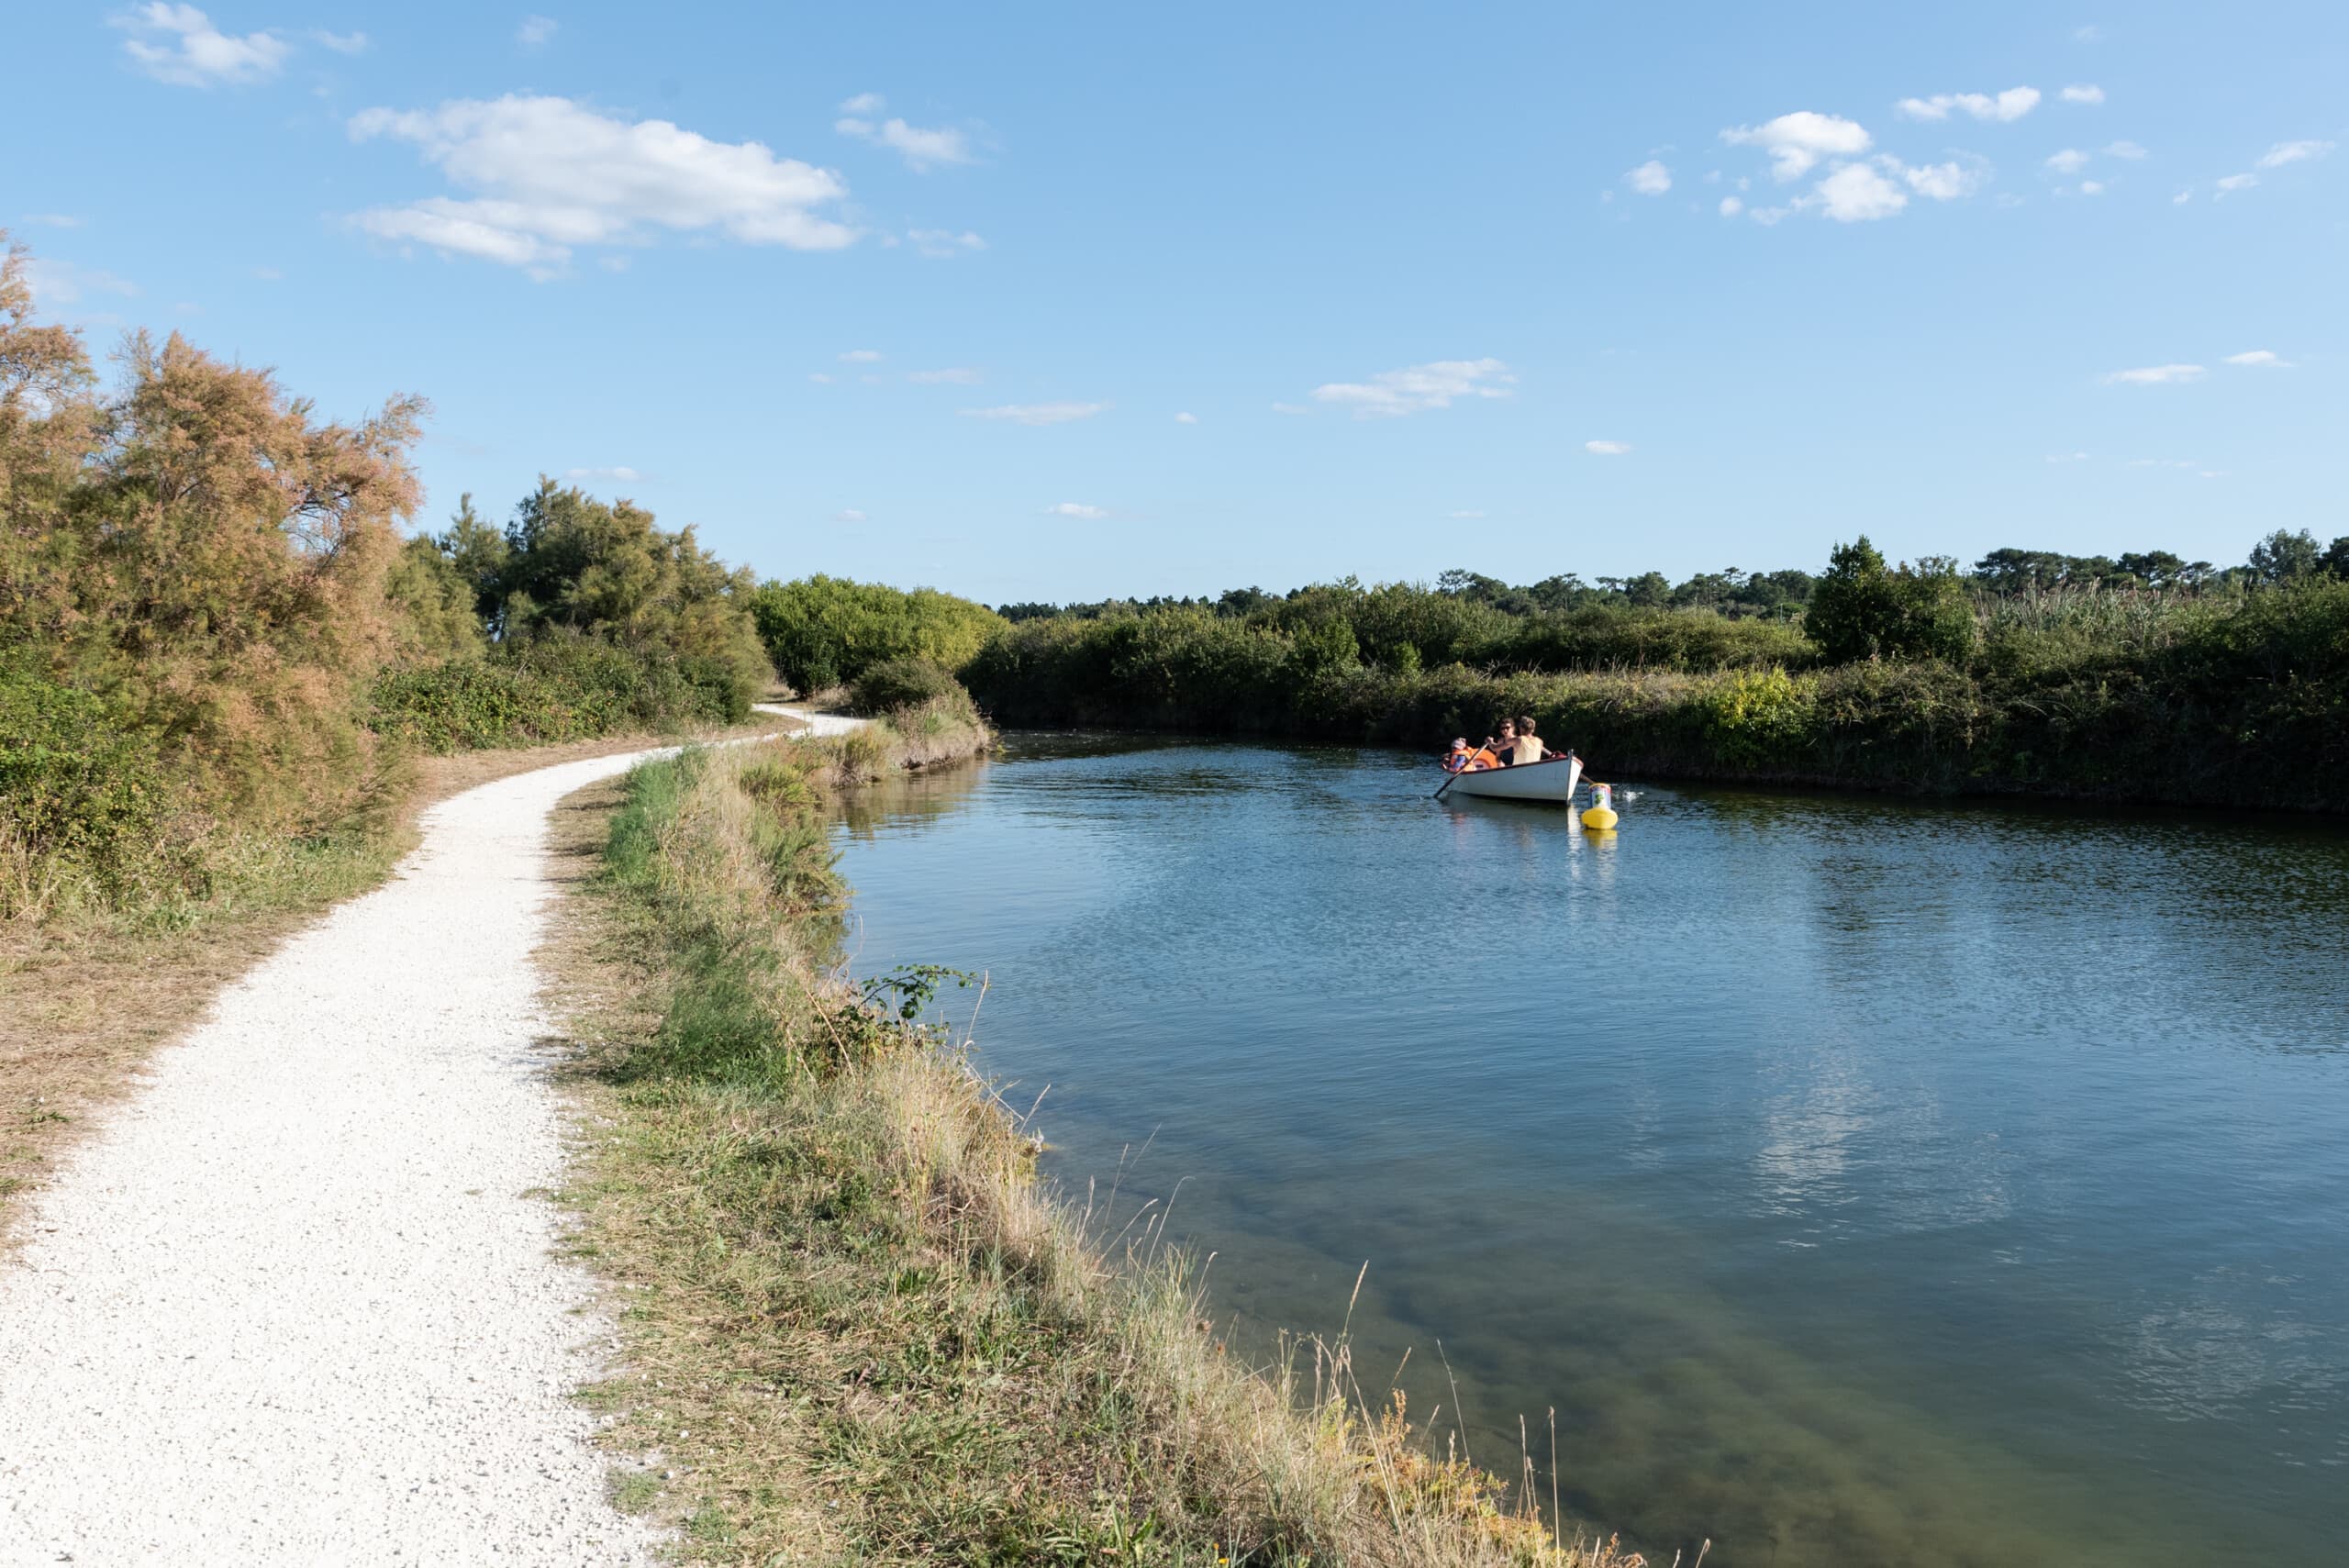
[
  {"x": 1525, "y": 724},
  {"x": 1460, "y": 743},
  {"x": 1509, "y": 729}
]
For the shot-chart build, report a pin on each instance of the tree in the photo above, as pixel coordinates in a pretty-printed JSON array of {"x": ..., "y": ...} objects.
[
  {"x": 2281, "y": 557},
  {"x": 1860, "y": 609},
  {"x": 2337, "y": 557}
]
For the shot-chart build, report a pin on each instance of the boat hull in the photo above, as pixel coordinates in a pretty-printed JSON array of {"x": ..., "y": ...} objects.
[{"x": 1553, "y": 782}]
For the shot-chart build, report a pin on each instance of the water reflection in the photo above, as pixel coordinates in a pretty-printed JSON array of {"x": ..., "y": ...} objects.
[{"x": 1863, "y": 1180}]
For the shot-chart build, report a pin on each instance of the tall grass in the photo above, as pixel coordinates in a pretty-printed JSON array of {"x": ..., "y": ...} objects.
[{"x": 864, "y": 1331}]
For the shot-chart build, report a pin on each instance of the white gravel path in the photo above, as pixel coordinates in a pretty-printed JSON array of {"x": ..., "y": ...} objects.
[{"x": 296, "y": 1302}]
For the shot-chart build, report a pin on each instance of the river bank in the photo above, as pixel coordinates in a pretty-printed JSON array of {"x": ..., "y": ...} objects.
[
  {"x": 2244, "y": 703},
  {"x": 858, "y": 1326}
]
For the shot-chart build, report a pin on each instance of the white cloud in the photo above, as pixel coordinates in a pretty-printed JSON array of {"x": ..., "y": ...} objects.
[
  {"x": 1392, "y": 394},
  {"x": 1769, "y": 217},
  {"x": 2071, "y": 160},
  {"x": 1796, "y": 142},
  {"x": 1943, "y": 182},
  {"x": 1857, "y": 193},
  {"x": 623, "y": 474},
  {"x": 922, "y": 149},
  {"x": 2091, "y": 188},
  {"x": 341, "y": 43},
  {"x": 1731, "y": 207},
  {"x": 2089, "y": 34},
  {"x": 2160, "y": 462},
  {"x": 1076, "y": 509},
  {"x": 179, "y": 44},
  {"x": 2181, "y": 199},
  {"x": 2156, "y": 376},
  {"x": 2129, "y": 149},
  {"x": 1466, "y": 516},
  {"x": 1187, "y": 419},
  {"x": 1607, "y": 449},
  {"x": 2083, "y": 92},
  {"x": 53, "y": 219},
  {"x": 536, "y": 32},
  {"x": 2003, "y": 107},
  {"x": 55, "y": 282},
  {"x": 863, "y": 104},
  {"x": 2237, "y": 182},
  {"x": 1650, "y": 179},
  {"x": 268, "y": 274},
  {"x": 848, "y": 515},
  {"x": 552, "y": 174},
  {"x": 862, "y": 357},
  {"x": 2067, "y": 457},
  {"x": 819, "y": 378},
  {"x": 2285, "y": 152},
  {"x": 957, "y": 376},
  {"x": 944, "y": 242},
  {"x": 2266, "y": 359},
  {"x": 1038, "y": 413},
  {"x": 1291, "y": 408}
]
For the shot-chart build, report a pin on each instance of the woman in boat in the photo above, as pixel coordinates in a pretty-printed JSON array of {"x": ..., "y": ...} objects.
[{"x": 1506, "y": 746}]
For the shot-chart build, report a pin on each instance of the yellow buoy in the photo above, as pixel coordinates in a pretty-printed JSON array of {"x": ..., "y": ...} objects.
[{"x": 1601, "y": 816}]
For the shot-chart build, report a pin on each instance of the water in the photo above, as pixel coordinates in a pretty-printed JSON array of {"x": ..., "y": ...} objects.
[{"x": 1861, "y": 1181}]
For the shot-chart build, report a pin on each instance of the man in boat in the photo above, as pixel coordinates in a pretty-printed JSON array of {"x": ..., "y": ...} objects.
[{"x": 1527, "y": 739}]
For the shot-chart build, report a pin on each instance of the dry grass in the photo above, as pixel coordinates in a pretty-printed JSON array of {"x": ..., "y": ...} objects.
[
  {"x": 858, "y": 1329},
  {"x": 83, "y": 1004}
]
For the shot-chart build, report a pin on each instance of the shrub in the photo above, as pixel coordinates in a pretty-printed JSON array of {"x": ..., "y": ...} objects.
[
  {"x": 1757, "y": 718},
  {"x": 557, "y": 687},
  {"x": 902, "y": 683},
  {"x": 78, "y": 782},
  {"x": 1862, "y": 610},
  {"x": 821, "y": 631}
]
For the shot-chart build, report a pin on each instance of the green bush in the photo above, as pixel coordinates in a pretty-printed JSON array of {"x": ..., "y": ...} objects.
[
  {"x": 821, "y": 631},
  {"x": 78, "y": 782},
  {"x": 556, "y": 687},
  {"x": 1759, "y": 717},
  {"x": 902, "y": 683},
  {"x": 1860, "y": 609}
]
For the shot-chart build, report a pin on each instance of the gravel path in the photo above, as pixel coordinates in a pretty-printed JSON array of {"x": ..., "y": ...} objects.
[{"x": 297, "y": 1302}]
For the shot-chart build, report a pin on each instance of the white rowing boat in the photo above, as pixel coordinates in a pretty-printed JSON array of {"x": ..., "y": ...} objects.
[{"x": 1553, "y": 781}]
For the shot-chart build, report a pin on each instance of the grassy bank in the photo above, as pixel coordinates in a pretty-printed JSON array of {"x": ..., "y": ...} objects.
[
  {"x": 859, "y": 1329},
  {"x": 2241, "y": 700}
]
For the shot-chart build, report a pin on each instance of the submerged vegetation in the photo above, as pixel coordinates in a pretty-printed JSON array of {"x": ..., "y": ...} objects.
[{"x": 863, "y": 1332}]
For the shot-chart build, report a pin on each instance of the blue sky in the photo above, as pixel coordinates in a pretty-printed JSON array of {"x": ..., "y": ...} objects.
[{"x": 1061, "y": 301}]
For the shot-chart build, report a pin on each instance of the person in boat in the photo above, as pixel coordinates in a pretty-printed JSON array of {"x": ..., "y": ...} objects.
[
  {"x": 1527, "y": 739},
  {"x": 1518, "y": 743},
  {"x": 1461, "y": 760},
  {"x": 1504, "y": 749}
]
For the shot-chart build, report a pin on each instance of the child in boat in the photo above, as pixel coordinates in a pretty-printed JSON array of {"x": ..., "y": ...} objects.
[{"x": 1457, "y": 758}]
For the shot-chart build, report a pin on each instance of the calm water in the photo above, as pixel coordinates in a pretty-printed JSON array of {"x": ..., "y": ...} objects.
[{"x": 1861, "y": 1181}]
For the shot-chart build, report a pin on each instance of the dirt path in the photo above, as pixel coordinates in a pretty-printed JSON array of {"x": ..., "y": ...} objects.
[{"x": 298, "y": 1301}]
